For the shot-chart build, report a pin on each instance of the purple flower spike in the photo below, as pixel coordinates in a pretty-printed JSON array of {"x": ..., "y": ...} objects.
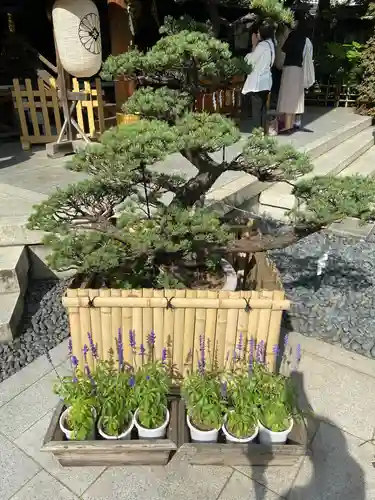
[
  {"x": 286, "y": 340},
  {"x": 298, "y": 353},
  {"x": 74, "y": 361},
  {"x": 70, "y": 346},
  {"x": 202, "y": 342},
  {"x": 93, "y": 347},
  {"x": 88, "y": 373},
  {"x": 240, "y": 343},
  {"x": 223, "y": 389},
  {"x": 276, "y": 350},
  {"x": 251, "y": 354},
  {"x": 132, "y": 339},
  {"x": 132, "y": 381},
  {"x": 164, "y": 355},
  {"x": 148, "y": 377},
  {"x": 85, "y": 350},
  {"x": 151, "y": 338},
  {"x": 120, "y": 349},
  {"x": 260, "y": 352},
  {"x": 75, "y": 380},
  {"x": 142, "y": 350}
]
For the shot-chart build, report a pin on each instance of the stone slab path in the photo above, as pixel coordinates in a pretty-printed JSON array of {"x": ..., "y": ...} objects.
[{"x": 338, "y": 384}]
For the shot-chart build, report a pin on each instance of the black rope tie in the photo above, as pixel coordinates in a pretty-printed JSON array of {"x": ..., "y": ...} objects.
[
  {"x": 169, "y": 303},
  {"x": 247, "y": 306},
  {"x": 91, "y": 302}
]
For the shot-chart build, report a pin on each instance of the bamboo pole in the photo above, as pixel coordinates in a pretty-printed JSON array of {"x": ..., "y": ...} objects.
[
  {"x": 231, "y": 329},
  {"x": 158, "y": 325},
  {"x": 221, "y": 325},
  {"x": 75, "y": 327},
  {"x": 126, "y": 325},
  {"x": 168, "y": 326},
  {"x": 95, "y": 322},
  {"x": 188, "y": 335},
  {"x": 233, "y": 302},
  {"x": 253, "y": 319},
  {"x": 210, "y": 332},
  {"x": 137, "y": 319},
  {"x": 85, "y": 325},
  {"x": 179, "y": 335},
  {"x": 264, "y": 322},
  {"x": 200, "y": 326},
  {"x": 147, "y": 313},
  {"x": 274, "y": 333},
  {"x": 116, "y": 320},
  {"x": 243, "y": 320},
  {"x": 105, "y": 319}
]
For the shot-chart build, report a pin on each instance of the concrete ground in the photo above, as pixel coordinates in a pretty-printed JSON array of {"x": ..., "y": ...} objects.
[
  {"x": 339, "y": 385},
  {"x": 28, "y": 176}
]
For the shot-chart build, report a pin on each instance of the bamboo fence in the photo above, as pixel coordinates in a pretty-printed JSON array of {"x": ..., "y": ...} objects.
[
  {"x": 40, "y": 114},
  {"x": 179, "y": 318}
]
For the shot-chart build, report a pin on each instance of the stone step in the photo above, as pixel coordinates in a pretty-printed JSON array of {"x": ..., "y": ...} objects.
[
  {"x": 11, "y": 309},
  {"x": 278, "y": 198},
  {"x": 14, "y": 267},
  {"x": 364, "y": 165}
]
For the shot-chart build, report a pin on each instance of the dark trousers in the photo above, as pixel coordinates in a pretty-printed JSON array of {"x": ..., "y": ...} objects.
[{"x": 259, "y": 108}]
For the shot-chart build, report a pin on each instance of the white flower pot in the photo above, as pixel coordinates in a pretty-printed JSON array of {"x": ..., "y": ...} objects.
[
  {"x": 157, "y": 433},
  {"x": 233, "y": 439},
  {"x": 266, "y": 436},
  {"x": 125, "y": 435},
  {"x": 202, "y": 436},
  {"x": 68, "y": 433}
]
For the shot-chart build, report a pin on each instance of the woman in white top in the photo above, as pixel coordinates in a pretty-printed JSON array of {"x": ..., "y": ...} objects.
[{"x": 259, "y": 82}]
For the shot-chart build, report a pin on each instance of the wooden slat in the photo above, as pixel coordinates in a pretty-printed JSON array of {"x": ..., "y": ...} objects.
[
  {"x": 179, "y": 338},
  {"x": 90, "y": 111},
  {"x": 116, "y": 321},
  {"x": 273, "y": 338},
  {"x": 95, "y": 323},
  {"x": 79, "y": 105},
  {"x": 264, "y": 321},
  {"x": 106, "y": 323},
  {"x": 43, "y": 101},
  {"x": 158, "y": 325},
  {"x": 221, "y": 326},
  {"x": 137, "y": 324},
  {"x": 21, "y": 113},
  {"x": 33, "y": 115},
  {"x": 100, "y": 104},
  {"x": 127, "y": 325},
  {"x": 231, "y": 329},
  {"x": 188, "y": 338},
  {"x": 168, "y": 326},
  {"x": 85, "y": 325},
  {"x": 200, "y": 327},
  {"x": 56, "y": 107},
  {"x": 210, "y": 330}
]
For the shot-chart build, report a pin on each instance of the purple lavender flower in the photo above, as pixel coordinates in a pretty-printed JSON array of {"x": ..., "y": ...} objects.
[
  {"x": 240, "y": 343},
  {"x": 93, "y": 347},
  {"x": 223, "y": 389},
  {"x": 88, "y": 373},
  {"x": 286, "y": 340},
  {"x": 276, "y": 350},
  {"x": 147, "y": 377},
  {"x": 202, "y": 342},
  {"x": 85, "y": 350},
  {"x": 132, "y": 381},
  {"x": 260, "y": 352},
  {"x": 132, "y": 339},
  {"x": 74, "y": 361},
  {"x": 70, "y": 346},
  {"x": 75, "y": 380},
  {"x": 298, "y": 354},
  {"x": 142, "y": 350},
  {"x": 251, "y": 354},
  {"x": 120, "y": 349},
  {"x": 164, "y": 355},
  {"x": 151, "y": 338},
  {"x": 200, "y": 367}
]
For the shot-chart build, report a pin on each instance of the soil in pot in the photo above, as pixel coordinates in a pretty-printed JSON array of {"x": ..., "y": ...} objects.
[
  {"x": 125, "y": 433},
  {"x": 202, "y": 433},
  {"x": 231, "y": 436}
]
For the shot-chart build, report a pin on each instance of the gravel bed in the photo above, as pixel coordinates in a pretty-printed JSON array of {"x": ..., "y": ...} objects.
[
  {"x": 342, "y": 310},
  {"x": 44, "y": 325}
]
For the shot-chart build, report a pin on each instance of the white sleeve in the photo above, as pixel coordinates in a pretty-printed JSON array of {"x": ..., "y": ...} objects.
[{"x": 254, "y": 56}]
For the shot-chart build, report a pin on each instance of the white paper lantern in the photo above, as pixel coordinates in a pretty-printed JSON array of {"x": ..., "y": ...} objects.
[{"x": 77, "y": 32}]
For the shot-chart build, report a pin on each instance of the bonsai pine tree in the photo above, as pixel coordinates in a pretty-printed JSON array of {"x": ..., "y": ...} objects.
[{"x": 132, "y": 223}]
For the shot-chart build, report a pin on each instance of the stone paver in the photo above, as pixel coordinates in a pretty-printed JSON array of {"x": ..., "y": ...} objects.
[
  {"x": 77, "y": 479},
  {"x": 15, "y": 468},
  {"x": 339, "y": 469},
  {"x": 339, "y": 384},
  {"x": 242, "y": 487},
  {"x": 44, "y": 487}
]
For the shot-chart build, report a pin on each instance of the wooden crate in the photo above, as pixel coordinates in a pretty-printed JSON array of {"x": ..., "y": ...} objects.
[
  {"x": 103, "y": 452},
  {"x": 232, "y": 454}
]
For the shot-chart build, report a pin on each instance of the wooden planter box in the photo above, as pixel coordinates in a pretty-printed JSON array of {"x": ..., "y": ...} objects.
[
  {"x": 232, "y": 454},
  {"x": 179, "y": 317},
  {"x": 103, "y": 452}
]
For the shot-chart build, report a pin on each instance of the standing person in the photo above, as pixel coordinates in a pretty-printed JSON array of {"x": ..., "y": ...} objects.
[
  {"x": 259, "y": 82},
  {"x": 298, "y": 71}
]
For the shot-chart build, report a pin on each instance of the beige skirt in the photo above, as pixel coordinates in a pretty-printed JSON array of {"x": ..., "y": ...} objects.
[{"x": 292, "y": 93}]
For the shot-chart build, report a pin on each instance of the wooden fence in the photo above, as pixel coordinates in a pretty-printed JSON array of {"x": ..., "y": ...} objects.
[
  {"x": 178, "y": 318},
  {"x": 332, "y": 95},
  {"x": 40, "y": 114}
]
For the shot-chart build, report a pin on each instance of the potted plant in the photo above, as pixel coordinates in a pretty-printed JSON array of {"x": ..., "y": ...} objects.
[
  {"x": 241, "y": 423},
  {"x": 278, "y": 407},
  {"x": 115, "y": 393},
  {"x": 201, "y": 390},
  {"x": 152, "y": 384},
  {"x": 78, "y": 393}
]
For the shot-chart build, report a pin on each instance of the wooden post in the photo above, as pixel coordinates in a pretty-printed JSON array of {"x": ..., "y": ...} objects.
[{"x": 121, "y": 40}]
